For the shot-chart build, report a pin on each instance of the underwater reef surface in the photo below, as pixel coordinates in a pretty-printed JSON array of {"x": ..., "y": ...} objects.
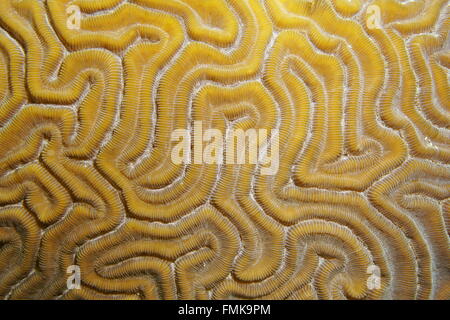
[{"x": 92, "y": 205}]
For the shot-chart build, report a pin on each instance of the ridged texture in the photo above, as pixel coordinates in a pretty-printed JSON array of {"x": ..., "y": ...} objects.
[{"x": 86, "y": 177}]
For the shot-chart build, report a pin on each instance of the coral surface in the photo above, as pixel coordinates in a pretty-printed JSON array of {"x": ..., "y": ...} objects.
[{"x": 91, "y": 91}]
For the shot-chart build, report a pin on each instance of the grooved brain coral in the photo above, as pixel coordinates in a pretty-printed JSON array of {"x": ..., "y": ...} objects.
[{"x": 91, "y": 91}]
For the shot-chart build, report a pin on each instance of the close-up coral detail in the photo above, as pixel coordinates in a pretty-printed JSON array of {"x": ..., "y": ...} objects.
[{"x": 92, "y": 90}]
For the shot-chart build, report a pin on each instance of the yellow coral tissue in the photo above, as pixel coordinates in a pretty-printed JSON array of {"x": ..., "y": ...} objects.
[{"x": 224, "y": 149}]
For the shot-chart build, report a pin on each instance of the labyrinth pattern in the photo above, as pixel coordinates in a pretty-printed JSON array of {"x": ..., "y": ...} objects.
[{"x": 359, "y": 91}]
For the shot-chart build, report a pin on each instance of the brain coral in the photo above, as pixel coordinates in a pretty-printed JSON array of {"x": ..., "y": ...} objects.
[{"x": 90, "y": 92}]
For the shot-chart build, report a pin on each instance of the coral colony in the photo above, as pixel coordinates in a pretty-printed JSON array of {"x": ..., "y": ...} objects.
[{"x": 221, "y": 149}]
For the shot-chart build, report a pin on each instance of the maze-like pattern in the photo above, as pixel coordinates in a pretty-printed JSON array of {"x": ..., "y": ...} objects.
[{"x": 86, "y": 178}]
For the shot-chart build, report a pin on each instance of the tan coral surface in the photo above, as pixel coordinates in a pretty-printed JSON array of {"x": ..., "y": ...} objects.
[{"x": 359, "y": 91}]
